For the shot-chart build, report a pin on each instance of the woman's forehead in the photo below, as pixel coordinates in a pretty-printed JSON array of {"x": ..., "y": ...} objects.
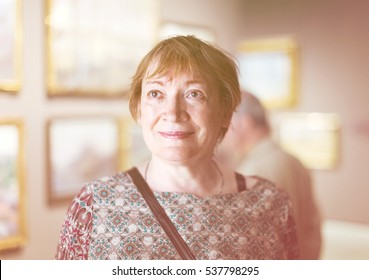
[{"x": 155, "y": 71}]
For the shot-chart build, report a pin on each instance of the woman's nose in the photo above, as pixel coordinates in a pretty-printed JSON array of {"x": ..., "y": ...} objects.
[{"x": 175, "y": 110}]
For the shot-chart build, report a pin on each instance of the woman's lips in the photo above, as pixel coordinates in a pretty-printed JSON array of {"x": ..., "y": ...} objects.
[{"x": 175, "y": 134}]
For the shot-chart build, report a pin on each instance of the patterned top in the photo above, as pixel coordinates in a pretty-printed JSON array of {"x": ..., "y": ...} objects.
[{"x": 109, "y": 219}]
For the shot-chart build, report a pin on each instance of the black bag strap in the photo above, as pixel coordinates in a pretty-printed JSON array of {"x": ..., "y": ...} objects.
[
  {"x": 241, "y": 182},
  {"x": 160, "y": 215}
]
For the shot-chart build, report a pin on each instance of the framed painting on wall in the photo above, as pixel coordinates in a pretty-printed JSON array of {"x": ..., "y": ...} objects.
[
  {"x": 269, "y": 70},
  {"x": 12, "y": 189},
  {"x": 170, "y": 29},
  {"x": 94, "y": 47},
  {"x": 80, "y": 150},
  {"x": 314, "y": 138},
  {"x": 10, "y": 41}
]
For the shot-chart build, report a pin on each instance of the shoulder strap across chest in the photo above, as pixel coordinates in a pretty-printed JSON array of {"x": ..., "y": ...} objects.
[{"x": 241, "y": 182}]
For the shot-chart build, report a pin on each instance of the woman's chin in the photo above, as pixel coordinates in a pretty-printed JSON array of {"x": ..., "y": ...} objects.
[{"x": 176, "y": 155}]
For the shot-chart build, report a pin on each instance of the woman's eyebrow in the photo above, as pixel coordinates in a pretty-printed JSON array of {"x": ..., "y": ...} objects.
[
  {"x": 154, "y": 82},
  {"x": 198, "y": 82},
  {"x": 195, "y": 82},
  {"x": 161, "y": 82}
]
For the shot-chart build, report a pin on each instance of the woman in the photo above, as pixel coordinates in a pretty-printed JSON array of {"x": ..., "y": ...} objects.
[{"x": 183, "y": 95}]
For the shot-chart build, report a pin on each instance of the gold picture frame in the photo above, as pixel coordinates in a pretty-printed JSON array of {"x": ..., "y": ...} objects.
[
  {"x": 12, "y": 185},
  {"x": 93, "y": 49},
  {"x": 10, "y": 51},
  {"x": 269, "y": 69},
  {"x": 80, "y": 149},
  {"x": 314, "y": 138}
]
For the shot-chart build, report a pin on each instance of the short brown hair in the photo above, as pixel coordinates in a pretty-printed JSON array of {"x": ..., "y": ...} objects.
[{"x": 187, "y": 53}]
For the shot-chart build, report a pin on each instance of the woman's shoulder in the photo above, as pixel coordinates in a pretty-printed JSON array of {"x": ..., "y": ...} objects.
[
  {"x": 265, "y": 198},
  {"x": 106, "y": 186},
  {"x": 253, "y": 181},
  {"x": 265, "y": 188},
  {"x": 119, "y": 179}
]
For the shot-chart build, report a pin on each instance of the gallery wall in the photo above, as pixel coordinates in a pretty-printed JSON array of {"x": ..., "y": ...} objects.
[
  {"x": 334, "y": 40},
  {"x": 333, "y": 37}
]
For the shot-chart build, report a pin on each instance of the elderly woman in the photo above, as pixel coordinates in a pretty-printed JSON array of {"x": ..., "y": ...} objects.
[{"x": 183, "y": 95}]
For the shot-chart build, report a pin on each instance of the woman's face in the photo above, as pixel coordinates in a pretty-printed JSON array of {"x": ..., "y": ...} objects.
[{"x": 180, "y": 116}]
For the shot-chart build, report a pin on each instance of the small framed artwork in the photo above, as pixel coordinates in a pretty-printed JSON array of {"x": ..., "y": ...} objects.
[
  {"x": 12, "y": 189},
  {"x": 80, "y": 150},
  {"x": 10, "y": 50},
  {"x": 170, "y": 29},
  {"x": 314, "y": 138},
  {"x": 94, "y": 47},
  {"x": 134, "y": 149},
  {"x": 269, "y": 70}
]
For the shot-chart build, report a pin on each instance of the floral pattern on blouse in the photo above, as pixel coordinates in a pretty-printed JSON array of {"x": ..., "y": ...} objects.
[{"x": 109, "y": 219}]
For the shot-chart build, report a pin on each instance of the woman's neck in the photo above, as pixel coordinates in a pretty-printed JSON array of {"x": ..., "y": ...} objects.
[{"x": 201, "y": 179}]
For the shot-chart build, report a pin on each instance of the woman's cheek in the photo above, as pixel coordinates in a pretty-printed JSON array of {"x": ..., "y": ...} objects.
[{"x": 149, "y": 115}]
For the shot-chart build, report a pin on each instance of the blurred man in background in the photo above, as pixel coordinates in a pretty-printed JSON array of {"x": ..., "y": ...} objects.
[{"x": 249, "y": 148}]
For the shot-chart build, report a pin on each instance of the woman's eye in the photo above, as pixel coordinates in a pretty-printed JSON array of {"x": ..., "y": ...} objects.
[
  {"x": 195, "y": 94},
  {"x": 153, "y": 94}
]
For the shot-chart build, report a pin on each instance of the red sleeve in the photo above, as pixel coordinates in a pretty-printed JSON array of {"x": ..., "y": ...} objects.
[
  {"x": 287, "y": 229},
  {"x": 282, "y": 213},
  {"x": 289, "y": 238},
  {"x": 76, "y": 231}
]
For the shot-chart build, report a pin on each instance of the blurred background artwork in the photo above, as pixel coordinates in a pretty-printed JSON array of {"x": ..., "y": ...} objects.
[
  {"x": 63, "y": 60},
  {"x": 314, "y": 138},
  {"x": 10, "y": 38},
  {"x": 12, "y": 228},
  {"x": 90, "y": 49},
  {"x": 81, "y": 150},
  {"x": 268, "y": 69}
]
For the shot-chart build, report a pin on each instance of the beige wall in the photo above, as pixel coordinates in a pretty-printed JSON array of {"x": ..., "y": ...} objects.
[{"x": 334, "y": 40}]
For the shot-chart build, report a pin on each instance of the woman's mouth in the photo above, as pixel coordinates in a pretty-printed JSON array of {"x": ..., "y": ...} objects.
[{"x": 176, "y": 134}]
